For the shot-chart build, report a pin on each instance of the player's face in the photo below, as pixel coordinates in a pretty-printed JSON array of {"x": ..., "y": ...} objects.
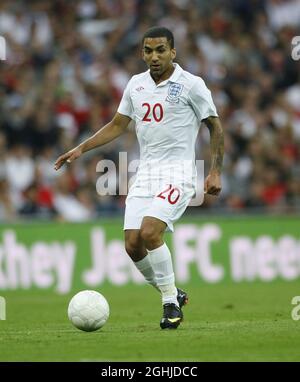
[{"x": 158, "y": 55}]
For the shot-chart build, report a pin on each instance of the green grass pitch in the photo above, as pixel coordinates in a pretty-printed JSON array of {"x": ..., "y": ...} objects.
[{"x": 240, "y": 322}]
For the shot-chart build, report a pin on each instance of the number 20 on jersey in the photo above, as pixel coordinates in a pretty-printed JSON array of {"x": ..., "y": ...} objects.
[{"x": 155, "y": 112}]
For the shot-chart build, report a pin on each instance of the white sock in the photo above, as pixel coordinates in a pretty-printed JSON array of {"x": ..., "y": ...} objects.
[
  {"x": 144, "y": 266},
  {"x": 161, "y": 261}
]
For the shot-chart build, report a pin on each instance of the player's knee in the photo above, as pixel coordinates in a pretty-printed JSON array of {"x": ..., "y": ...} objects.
[
  {"x": 133, "y": 249},
  {"x": 149, "y": 234},
  {"x": 130, "y": 247}
]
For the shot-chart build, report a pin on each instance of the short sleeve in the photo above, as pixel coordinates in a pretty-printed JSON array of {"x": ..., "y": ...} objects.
[
  {"x": 125, "y": 106},
  {"x": 201, "y": 100}
]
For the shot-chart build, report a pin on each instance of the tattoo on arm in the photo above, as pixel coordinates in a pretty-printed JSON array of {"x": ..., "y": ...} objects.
[{"x": 216, "y": 143}]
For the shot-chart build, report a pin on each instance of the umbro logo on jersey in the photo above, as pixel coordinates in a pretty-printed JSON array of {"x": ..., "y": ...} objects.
[
  {"x": 139, "y": 88},
  {"x": 174, "y": 92}
]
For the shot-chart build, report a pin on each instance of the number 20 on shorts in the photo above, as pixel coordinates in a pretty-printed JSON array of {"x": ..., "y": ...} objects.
[{"x": 171, "y": 194}]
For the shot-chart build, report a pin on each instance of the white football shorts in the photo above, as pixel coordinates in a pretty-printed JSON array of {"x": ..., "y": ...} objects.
[{"x": 167, "y": 205}]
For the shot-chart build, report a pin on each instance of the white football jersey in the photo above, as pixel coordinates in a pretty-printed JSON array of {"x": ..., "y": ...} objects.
[{"x": 167, "y": 118}]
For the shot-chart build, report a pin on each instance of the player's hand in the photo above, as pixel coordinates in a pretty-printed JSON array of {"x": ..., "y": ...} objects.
[
  {"x": 68, "y": 157},
  {"x": 212, "y": 184}
]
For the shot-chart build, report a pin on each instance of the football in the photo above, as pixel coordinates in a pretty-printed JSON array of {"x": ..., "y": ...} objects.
[{"x": 88, "y": 310}]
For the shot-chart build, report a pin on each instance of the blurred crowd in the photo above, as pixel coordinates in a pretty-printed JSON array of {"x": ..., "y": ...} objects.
[{"x": 68, "y": 63}]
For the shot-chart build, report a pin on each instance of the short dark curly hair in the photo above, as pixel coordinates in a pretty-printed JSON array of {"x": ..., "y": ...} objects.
[{"x": 160, "y": 32}]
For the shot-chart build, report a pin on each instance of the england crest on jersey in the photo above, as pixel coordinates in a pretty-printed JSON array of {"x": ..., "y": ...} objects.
[{"x": 174, "y": 92}]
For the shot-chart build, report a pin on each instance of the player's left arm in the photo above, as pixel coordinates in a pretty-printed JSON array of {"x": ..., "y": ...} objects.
[{"x": 212, "y": 183}]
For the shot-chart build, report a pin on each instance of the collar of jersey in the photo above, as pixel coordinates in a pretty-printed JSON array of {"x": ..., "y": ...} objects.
[{"x": 173, "y": 78}]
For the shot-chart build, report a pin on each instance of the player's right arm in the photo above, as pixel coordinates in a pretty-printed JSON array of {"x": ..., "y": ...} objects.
[{"x": 106, "y": 134}]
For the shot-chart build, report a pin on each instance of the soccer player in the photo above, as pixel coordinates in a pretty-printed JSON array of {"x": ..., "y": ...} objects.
[{"x": 167, "y": 104}]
